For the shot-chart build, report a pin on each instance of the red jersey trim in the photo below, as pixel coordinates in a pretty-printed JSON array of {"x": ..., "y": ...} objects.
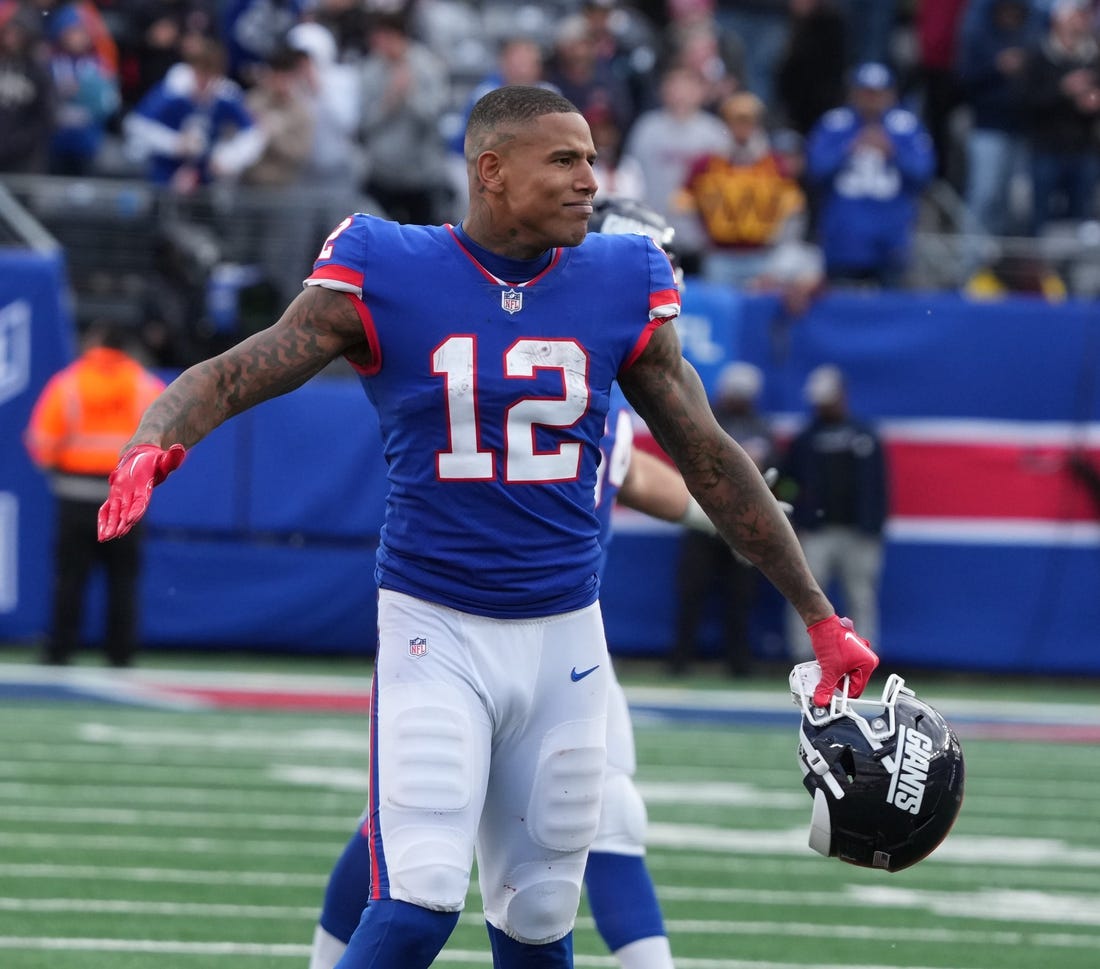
[
  {"x": 372, "y": 338},
  {"x": 664, "y": 304},
  {"x": 339, "y": 274},
  {"x": 643, "y": 341}
]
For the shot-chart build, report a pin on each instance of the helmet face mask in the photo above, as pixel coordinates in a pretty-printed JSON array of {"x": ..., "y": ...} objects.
[
  {"x": 617, "y": 215},
  {"x": 886, "y": 775}
]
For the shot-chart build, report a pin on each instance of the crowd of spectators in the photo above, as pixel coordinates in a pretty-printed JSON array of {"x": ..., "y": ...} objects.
[{"x": 758, "y": 128}]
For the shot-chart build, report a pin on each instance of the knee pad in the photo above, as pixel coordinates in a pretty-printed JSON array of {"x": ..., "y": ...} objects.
[
  {"x": 563, "y": 812},
  {"x": 623, "y": 817},
  {"x": 543, "y": 901},
  {"x": 428, "y": 868}
]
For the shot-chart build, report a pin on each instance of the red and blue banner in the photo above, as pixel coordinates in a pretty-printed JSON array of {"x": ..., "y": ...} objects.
[{"x": 993, "y": 545}]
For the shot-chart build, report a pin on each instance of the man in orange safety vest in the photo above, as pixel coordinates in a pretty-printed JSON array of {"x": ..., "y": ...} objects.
[{"x": 83, "y": 417}]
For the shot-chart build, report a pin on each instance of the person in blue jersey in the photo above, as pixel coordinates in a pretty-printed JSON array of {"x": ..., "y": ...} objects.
[
  {"x": 621, "y": 893},
  {"x": 867, "y": 164},
  {"x": 489, "y": 350},
  {"x": 192, "y": 128}
]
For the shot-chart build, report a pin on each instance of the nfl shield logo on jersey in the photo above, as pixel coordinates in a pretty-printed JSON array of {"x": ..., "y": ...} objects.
[
  {"x": 418, "y": 646},
  {"x": 511, "y": 300}
]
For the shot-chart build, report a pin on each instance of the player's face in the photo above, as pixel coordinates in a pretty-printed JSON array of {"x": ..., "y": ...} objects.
[{"x": 549, "y": 183}]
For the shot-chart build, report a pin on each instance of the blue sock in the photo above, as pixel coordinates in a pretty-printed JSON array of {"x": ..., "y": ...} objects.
[
  {"x": 348, "y": 889},
  {"x": 622, "y": 898},
  {"x": 397, "y": 935},
  {"x": 510, "y": 954}
]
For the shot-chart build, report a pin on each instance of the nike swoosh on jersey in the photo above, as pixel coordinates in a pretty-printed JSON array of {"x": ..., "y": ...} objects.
[{"x": 574, "y": 675}]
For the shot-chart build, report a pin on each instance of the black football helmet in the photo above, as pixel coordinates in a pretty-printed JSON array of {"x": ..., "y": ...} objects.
[
  {"x": 887, "y": 783},
  {"x": 614, "y": 215}
]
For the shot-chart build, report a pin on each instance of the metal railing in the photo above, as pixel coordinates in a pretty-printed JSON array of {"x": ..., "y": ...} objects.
[
  {"x": 19, "y": 228},
  {"x": 138, "y": 252}
]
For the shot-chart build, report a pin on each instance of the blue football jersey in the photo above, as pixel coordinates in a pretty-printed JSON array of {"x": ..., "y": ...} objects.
[{"x": 492, "y": 397}]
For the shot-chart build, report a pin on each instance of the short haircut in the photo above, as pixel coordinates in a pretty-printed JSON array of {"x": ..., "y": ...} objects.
[{"x": 509, "y": 107}]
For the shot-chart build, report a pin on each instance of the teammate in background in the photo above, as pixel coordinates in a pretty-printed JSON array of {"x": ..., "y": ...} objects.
[
  {"x": 621, "y": 893},
  {"x": 81, "y": 420},
  {"x": 489, "y": 349}
]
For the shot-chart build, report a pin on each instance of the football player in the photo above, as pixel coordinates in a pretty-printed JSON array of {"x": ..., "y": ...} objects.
[
  {"x": 621, "y": 893},
  {"x": 489, "y": 350},
  {"x": 620, "y": 889}
]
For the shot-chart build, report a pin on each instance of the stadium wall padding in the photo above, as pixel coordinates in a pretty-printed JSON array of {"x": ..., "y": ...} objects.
[
  {"x": 266, "y": 537},
  {"x": 36, "y": 340}
]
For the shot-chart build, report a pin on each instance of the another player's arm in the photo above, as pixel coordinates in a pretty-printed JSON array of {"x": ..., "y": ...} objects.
[
  {"x": 316, "y": 328},
  {"x": 668, "y": 394},
  {"x": 657, "y": 489}
]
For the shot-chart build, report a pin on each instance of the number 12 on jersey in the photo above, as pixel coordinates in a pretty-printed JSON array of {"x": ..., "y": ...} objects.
[{"x": 455, "y": 360}]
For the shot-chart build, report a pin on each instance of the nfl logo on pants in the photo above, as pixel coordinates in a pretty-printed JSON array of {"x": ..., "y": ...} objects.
[{"x": 418, "y": 646}]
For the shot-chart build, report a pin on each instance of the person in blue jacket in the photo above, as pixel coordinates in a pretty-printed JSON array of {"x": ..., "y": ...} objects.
[
  {"x": 867, "y": 163},
  {"x": 193, "y": 127}
]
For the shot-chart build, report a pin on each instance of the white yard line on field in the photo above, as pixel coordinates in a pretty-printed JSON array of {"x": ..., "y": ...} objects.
[
  {"x": 1064, "y": 908},
  {"x": 934, "y": 936}
]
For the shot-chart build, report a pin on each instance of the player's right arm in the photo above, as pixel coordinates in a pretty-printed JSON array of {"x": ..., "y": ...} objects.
[{"x": 316, "y": 328}]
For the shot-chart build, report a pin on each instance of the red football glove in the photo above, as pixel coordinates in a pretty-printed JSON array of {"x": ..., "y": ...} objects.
[
  {"x": 840, "y": 651},
  {"x": 132, "y": 482}
]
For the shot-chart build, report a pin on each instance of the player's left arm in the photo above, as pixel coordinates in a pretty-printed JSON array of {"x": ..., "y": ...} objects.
[{"x": 668, "y": 394}]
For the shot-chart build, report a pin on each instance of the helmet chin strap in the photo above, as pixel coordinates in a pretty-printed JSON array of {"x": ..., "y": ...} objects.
[{"x": 813, "y": 760}]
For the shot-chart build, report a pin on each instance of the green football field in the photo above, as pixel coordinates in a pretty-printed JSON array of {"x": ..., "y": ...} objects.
[{"x": 184, "y": 838}]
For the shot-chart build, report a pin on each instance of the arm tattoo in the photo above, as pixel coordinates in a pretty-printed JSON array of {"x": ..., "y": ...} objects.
[
  {"x": 316, "y": 328},
  {"x": 668, "y": 394}
]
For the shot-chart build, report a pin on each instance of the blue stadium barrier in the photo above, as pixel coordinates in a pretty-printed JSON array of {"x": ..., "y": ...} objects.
[
  {"x": 36, "y": 340},
  {"x": 266, "y": 537}
]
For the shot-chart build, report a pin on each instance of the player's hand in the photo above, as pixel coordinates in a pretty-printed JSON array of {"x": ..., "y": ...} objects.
[
  {"x": 132, "y": 483},
  {"x": 841, "y": 652}
]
